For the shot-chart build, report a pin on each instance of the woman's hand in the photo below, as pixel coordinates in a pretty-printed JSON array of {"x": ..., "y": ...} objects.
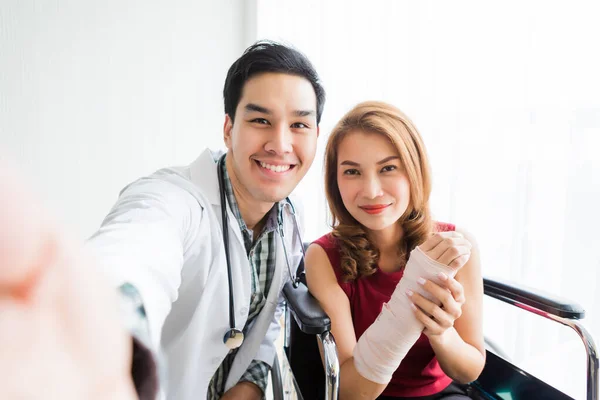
[
  {"x": 448, "y": 248},
  {"x": 438, "y": 319}
]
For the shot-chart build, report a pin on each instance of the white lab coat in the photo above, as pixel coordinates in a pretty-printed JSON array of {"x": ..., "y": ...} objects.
[{"x": 164, "y": 237}]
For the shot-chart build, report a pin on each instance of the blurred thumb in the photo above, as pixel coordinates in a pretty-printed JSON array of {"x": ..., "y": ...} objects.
[{"x": 25, "y": 235}]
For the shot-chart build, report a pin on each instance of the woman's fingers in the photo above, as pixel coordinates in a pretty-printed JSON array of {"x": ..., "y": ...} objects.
[
  {"x": 448, "y": 248},
  {"x": 442, "y": 303},
  {"x": 454, "y": 252},
  {"x": 428, "y": 322},
  {"x": 440, "y": 317},
  {"x": 457, "y": 290},
  {"x": 437, "y": 238}
]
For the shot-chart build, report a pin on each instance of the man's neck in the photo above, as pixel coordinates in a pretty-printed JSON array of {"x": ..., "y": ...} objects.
[{"x": 252, "y": 211}]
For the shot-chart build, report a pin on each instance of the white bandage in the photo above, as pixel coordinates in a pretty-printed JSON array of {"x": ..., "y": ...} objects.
[{"x": 385, "y": 343}]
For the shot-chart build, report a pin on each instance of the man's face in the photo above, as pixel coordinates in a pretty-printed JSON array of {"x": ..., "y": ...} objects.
[{"x": 273, "y": 140}]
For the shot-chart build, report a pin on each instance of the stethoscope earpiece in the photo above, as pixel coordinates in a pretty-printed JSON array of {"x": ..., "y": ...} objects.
[{"x": 233, "y": 338}]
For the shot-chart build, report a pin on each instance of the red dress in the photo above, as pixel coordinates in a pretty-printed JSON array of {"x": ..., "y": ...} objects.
[{"x": 419, "y": 374}]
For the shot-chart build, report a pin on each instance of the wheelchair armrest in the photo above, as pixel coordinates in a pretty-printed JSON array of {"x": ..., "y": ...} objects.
[
  {"x": 513, "y": 293},
  {"x": 307, "y": 312}
]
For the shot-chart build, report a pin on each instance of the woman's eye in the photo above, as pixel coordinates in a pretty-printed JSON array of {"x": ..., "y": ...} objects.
[
  {"x": 351, "y": 172},
  {"x": 388, "y": 168}
]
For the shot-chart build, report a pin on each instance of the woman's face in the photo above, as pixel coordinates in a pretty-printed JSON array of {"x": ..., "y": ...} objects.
[{"x": 372, "y": 182}]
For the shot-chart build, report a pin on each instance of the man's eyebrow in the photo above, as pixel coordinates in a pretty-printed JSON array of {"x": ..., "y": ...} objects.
[
  {"x": 251, "y": 107},
  {"x": 355, "y": 164},
  {"x": 304, "y": 113}
]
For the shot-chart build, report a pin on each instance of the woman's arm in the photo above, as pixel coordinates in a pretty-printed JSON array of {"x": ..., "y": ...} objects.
[
  {"x": 323, "y": 285},
  {"x": 455, "y": 332}
]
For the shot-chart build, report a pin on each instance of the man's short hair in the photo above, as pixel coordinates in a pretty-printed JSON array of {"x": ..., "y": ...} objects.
[{"x": 268, "y": 56}]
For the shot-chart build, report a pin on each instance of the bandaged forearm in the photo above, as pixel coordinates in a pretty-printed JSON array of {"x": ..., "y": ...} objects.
[{"x": 385, "y": 343}]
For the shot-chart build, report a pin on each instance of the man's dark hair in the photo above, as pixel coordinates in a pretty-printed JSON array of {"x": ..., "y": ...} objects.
[{"x": 268, "y": 56}]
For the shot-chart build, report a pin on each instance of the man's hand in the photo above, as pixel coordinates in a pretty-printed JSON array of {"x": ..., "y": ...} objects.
[
  {"x": 243, "y": 391},
  {"x": 60, "y": 333}
]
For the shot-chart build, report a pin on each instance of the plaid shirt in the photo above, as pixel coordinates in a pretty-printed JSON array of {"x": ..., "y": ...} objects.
[{"x": 261, "y": 255}]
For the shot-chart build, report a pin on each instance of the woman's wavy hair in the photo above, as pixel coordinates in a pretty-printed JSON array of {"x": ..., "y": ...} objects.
[{"x": 359, "y": 257}]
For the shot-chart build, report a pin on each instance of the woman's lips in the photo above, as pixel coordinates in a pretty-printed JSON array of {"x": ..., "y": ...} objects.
[{"x": 374, "y": 209}]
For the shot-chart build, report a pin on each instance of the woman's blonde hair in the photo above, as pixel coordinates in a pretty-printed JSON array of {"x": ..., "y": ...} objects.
[{"x": 359, "y": 257}]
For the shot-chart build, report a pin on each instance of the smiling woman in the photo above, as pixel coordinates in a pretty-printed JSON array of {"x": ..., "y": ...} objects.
[
  {"x": 404, "y": 294},
  {"x": 376, "y": 157}
]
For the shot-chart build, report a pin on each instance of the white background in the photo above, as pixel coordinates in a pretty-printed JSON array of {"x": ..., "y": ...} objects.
[
  {"x": 94, "y": 94},
  {"x": 506, "y": 95}
]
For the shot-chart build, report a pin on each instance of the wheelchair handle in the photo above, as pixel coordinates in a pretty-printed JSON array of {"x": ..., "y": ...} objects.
[{"x": 554, "y": 308}]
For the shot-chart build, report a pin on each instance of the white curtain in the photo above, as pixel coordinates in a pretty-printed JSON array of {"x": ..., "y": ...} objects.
[{"x": 507, "y": 97}]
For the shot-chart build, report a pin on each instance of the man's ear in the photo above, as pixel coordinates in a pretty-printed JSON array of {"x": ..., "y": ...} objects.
[{"x": 227, "y": 129}]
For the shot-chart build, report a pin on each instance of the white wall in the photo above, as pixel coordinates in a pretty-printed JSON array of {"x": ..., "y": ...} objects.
[{"x": 94, "y": 94}]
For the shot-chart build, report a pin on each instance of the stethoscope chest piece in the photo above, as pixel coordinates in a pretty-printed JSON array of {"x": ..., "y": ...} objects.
[{"x": 233, "y": 338}]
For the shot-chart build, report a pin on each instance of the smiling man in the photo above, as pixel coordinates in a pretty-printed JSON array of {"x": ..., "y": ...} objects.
[
  {"x": 271, "y": 137},
  {"x": 202, "y": 307}
]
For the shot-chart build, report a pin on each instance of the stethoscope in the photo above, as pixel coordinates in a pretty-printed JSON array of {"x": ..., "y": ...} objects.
[{"x": 234, "y": 337}]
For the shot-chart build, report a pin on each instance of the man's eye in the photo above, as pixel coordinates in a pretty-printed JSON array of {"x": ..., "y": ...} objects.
[
  {"x": 351, "y": 172},
  {"x": 300, "y": 125},
  {"x": 261, "y": 121}
]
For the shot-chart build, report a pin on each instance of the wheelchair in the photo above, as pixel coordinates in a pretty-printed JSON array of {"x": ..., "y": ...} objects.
[{"x": 499, "y": 380}]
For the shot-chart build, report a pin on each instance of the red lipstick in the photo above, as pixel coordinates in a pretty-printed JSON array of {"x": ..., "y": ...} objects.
[{"x": 374, "y": 209}]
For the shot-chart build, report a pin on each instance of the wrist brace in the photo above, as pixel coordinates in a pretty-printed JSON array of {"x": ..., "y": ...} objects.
[{"x": 385, "y": 343}]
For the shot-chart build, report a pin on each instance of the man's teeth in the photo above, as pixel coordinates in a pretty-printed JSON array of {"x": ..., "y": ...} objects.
[{"x": 275, "y": 168}]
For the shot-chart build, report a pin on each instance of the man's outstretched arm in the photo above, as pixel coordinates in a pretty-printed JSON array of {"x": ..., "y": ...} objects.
[{"x": 141, "y": 247}]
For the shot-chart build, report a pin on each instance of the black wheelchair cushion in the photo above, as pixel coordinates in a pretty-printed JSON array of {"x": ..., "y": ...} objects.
[{"x": 306, "y": 310}]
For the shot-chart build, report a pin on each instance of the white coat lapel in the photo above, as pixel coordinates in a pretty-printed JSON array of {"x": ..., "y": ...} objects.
[{"x": 204, "y": 175}]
